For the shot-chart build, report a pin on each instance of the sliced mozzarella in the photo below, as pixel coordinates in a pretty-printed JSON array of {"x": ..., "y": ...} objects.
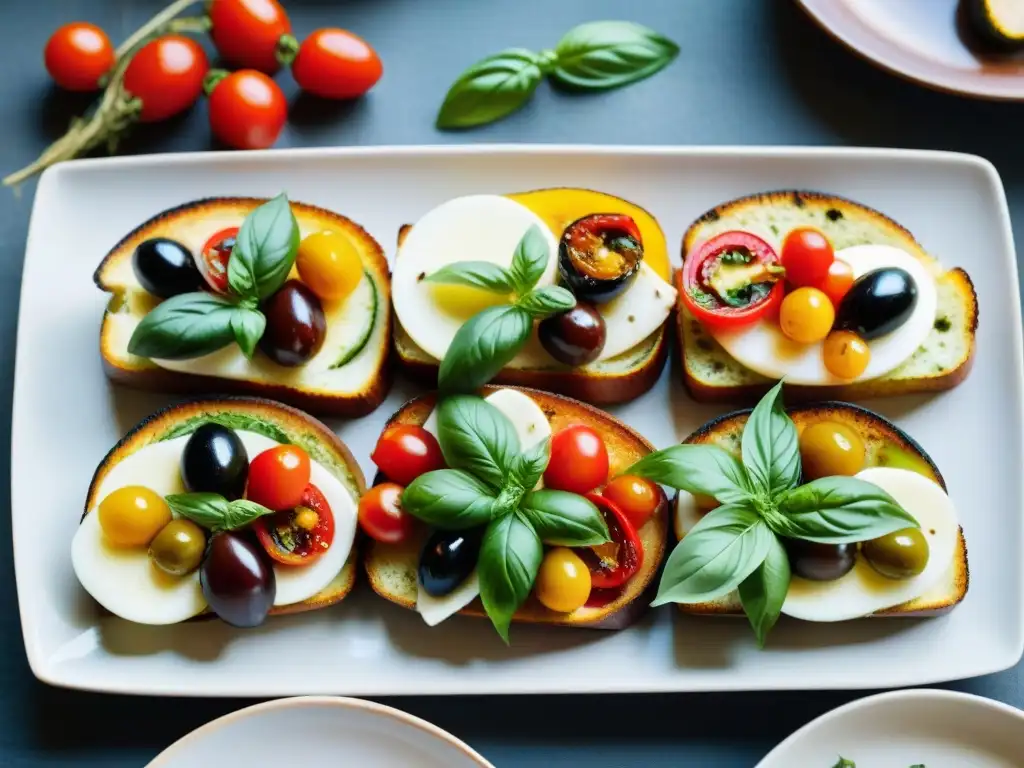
[
  {"x": 474, "y": 228},
  {"x": 764, "y": 349},
  {"x": 863, "y": 590},
  {"x": 434, "y": 610},
  {"x": 637, "y": 313}
]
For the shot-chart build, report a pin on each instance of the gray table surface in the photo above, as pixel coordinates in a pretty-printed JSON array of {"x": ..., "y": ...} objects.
[{"x": 750, "y": 72}]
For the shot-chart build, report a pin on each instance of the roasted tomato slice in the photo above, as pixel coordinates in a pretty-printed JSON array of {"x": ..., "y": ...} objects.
[
  {"x": 732, "y": 280},
  {"x": 300, "y": 535},
  {"x": 599, "y": 256},
  {"x": 613, "y": 564},
  {"x": 213, "y": 261}
]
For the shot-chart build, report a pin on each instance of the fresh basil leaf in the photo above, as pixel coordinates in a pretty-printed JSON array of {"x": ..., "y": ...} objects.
[
  {"x": 491, "y": 89},
  {"x": 717, "y": 554},
  {"x": 215, "y": 513},
  {"x": 241, "y": 512},
  {"x": 529, "y": 260},
  {"x": 484, "y": 345},
  {"x": 449, "y": 499},
  {"x": 564, "y": 518},
  {"x": 609, "y": 54},
  {"x": 265, "y": 249},
  {"x": 527, "y": 467},
  {"x": 549, "y": 300},
  {"x": 478, "y": 274},
  {"x": 844, "y": 763},
  {"x": 248, "y": 326},
  {"x": 185, "y": 326},
  {"x": 704, "y": 469},
  {"x": 763, "y": 592},
  {"x": 771, "y": 451},
  {"x": 477, "y": 437},
  {"x": 509, "y": 559},
  {"x": 839, "y": 510}
]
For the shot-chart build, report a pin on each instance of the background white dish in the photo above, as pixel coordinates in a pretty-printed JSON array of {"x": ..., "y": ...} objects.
[
  {"x": 320, "y": 731},
  {"x": 939, "y": 729},
  {"x": 67, "y": 416}
]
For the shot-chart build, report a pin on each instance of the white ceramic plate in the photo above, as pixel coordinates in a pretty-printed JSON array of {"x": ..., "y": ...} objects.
[
  {"x": 937, "y": 729},
  {"x": 332, "y": 731},
  {"x": 66, "y": 417}
]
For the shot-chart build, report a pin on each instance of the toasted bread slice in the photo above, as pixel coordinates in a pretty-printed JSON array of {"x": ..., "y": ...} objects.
[
  {"x": 280, "y": 422},
  {"x": 886, "y": 445},
  {"x": 349, "y": 388},
  {"x": 392, "y": 567},
  {"x": 942, "y": 361},
  {"x": 605, "y": 382}
]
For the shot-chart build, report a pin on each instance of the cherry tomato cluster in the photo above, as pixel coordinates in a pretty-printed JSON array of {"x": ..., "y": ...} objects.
[{"x": 247, "y": 108}]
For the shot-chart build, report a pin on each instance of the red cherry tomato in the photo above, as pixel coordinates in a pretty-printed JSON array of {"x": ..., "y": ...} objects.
[
  {"x": 405, "y": 451},
  {"x": 213, "y": 259},
  {"x": 278, "y": 477},
  {"x": 381, "y": 515},
  {"x": 579, "y": 460},
  {"x": 247, "y": 110},
  {"x": 335, "y": 64},
  {"x": 837, "y": 282},
  {"x": 77, "y": 55},
  {"x": 167, "y": 75},
  {"x": 298, "y": 536},
  {"x": 806, "y": 254},
  {"x": 247, "y": 32},
  {"x": 731, "y": 250},
  {"x": 636, "y": 497},
  {"x": 614, "y": 563}
]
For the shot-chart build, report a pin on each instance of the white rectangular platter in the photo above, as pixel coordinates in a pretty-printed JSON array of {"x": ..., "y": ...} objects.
[{"x": 66, "y": 417}]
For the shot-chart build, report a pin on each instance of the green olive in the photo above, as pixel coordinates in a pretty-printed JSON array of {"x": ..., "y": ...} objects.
[
  {"x": 899, "y": 555},
  {"x": 178, "y": 548},
  {"x": 829, "y": 448}
]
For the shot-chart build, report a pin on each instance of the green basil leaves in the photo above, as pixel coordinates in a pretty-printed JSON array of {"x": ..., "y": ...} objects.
[
  {"x": 594, "y": 56},
  {"x": 737, "y": 546},
  {"x": 214, "y": 512},
  {"x": 196, "y": 324},
  {"x": 509, "y": 559}
]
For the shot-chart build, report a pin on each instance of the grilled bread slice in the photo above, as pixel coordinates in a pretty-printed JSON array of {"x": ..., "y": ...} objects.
[
  {"x": 885, "y": 444},
  {"x": 351, "y": 375},
  {"x": 943, "y": 360},
  {"x": 279, "y": 422},
  {"x": 391, "y": 568},
  {"x": 605, "y": 382}
]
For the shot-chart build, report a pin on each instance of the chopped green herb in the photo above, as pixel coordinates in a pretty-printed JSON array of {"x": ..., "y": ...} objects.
[
  {"x": 736, "y": 257},
  {"x": 702, "y": 298},
  {"x": 942, "y": 324}
]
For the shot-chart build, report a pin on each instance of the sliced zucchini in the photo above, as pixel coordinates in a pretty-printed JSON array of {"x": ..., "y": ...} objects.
[
  {"x": 999, "y": 23},
  {"x": 358, "y": 340}
]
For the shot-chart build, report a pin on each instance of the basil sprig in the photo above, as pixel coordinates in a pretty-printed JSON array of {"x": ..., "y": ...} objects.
[
  {"x": 194, "y": 324},
  {"x": 594, "y": 56},
  {"x": 737, "y": 546},
  {"x": 489, "y": 340},
  {"x": 215, "y": 513},
  {"x": 490, "y": 483}
]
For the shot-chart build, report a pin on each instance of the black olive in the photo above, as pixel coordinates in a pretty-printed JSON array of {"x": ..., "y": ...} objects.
[
  {"x": 296, "y": 325},
  {"x": 166, "y": 268},
  {"x": 448, "y": 558},
  {"x": 820, "y": 562},
  {"x": 575, "y": 337},
  {"x": 237, "y": 581},
  {"x": 215, "y": 461},
  {"x": 877, "y": 303},
  {"x": 599, "y": 256}
]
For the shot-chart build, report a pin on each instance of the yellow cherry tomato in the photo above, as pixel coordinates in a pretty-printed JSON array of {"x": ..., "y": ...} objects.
[
  {"x": 846, "y": 354},
  {"x": 329, "y": 264},
  {"x": 829, "y": 448},
  {"x": 563, "y": 581},
  {"x": 132, "y": 516},
  {"x": 806, "y": 315}
]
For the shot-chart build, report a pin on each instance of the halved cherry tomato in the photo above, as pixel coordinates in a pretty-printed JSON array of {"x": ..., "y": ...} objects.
[
  {"x": 733, "y": 258},
  {"x": 613, "y": 564},
  {"x": 579, "y": 460},
  {"x": 278, "y": 477},
  {"x": 381, "y": 515},
  {"x": 247, "y": 110},
  {"x": 167, "y": 76},
  {"x": 247, "y": 32},
  {"x": 77, "y": 55},
  {"x": 300, "y": 535},
  {"x": 837, "y": 282},
  {"x": 636, "y": 497},
  {"x": 806, "y": 254},
  {"x": 406, "y": 451},
  {"x": 336, "y": 64},
  {"x": 213, "y": 259}
]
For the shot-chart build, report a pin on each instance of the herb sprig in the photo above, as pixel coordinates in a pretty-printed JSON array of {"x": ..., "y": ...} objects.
[
  {"x": 215, "y": 513},
  {"x": 737, "y": 546}
]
